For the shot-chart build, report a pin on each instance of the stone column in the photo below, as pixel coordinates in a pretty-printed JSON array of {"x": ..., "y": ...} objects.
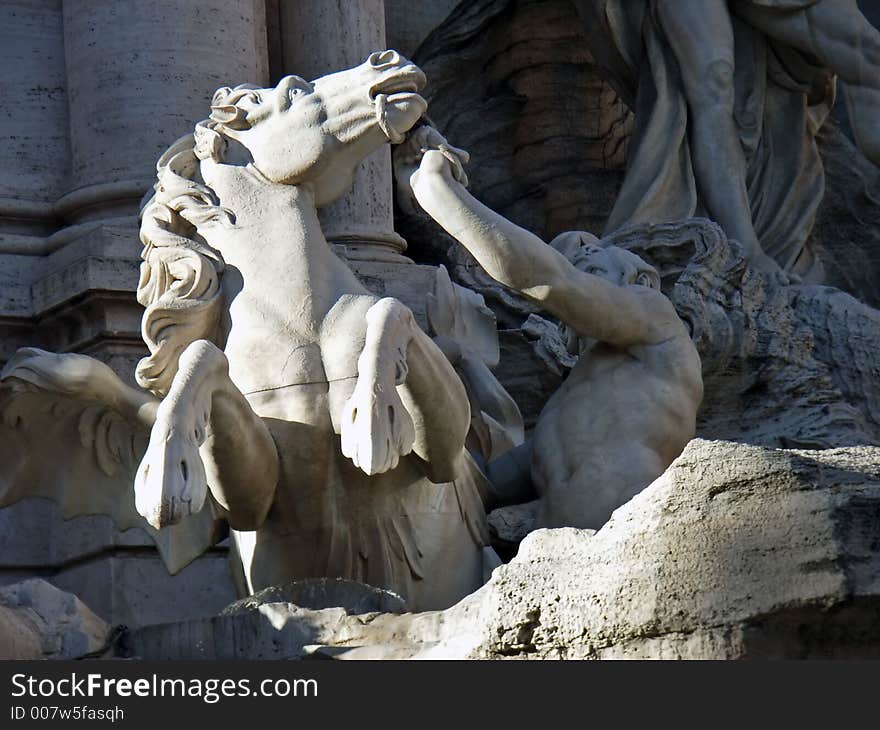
[
  {"x": 34, "y": 155},
  {"x": 140, "y": 74},
  {"x": 319, "y": 37}
]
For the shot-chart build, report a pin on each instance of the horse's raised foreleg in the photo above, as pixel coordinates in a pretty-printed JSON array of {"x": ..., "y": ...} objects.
[
  {"x": 206, "y": 436},
  {"x": 407, "y": 398}
]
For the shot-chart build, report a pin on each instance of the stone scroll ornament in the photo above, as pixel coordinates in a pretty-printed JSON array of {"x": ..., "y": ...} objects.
[{"x": 279, "y": 397}]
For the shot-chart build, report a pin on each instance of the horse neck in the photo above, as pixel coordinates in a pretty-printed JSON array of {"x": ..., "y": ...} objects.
[{"x": 277, "y": 243}]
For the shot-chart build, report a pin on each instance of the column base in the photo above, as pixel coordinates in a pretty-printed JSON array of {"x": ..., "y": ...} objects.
[{"x": 381, "y": 247}]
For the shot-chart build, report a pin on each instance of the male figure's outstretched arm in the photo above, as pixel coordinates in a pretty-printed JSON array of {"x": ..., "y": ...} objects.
[{"x": 592, "y": 306}]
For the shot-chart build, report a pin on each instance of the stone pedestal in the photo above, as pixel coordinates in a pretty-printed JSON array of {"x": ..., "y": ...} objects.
[{"x": 119, "y": 575}]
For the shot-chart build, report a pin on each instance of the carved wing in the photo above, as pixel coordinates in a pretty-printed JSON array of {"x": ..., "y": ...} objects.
[
  {"x": 461, "y": 315},
  {"x": 83, "y": 455}
]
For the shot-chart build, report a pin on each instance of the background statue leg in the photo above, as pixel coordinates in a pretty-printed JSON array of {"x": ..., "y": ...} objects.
[
  {"x": 700, "y": 34},
  {"x": 837, "y": 34}
]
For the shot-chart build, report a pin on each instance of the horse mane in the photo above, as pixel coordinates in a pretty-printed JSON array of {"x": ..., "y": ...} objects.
[{"x": 180, "y": 275}]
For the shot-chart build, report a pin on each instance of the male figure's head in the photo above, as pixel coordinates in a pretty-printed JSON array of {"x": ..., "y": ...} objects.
[
  {"x": 617, "y": 265},
  {"x": 614, "y": 264}
]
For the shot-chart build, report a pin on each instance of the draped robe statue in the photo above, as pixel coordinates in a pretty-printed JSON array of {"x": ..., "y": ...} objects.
[{"x": 728, "y": 97}]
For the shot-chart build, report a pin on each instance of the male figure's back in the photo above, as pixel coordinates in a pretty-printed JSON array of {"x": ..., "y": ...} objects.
[{"x": 619, "y": 419}]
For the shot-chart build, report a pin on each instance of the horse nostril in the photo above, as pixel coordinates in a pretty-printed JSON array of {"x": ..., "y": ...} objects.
[{"x": 383, "y": 59}]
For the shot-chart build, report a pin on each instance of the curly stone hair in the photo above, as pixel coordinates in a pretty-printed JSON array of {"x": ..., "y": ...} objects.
[{"x": 180, "y": 274}]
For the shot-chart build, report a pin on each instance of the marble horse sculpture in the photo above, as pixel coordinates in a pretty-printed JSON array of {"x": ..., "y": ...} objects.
[{"x": 279, "y": 396}]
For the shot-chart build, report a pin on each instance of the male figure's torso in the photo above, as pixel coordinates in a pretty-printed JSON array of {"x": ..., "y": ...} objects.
[{"x": 614, "y": 425}]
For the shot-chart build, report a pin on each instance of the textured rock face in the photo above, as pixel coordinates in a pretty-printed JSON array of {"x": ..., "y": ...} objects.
[
  {"x": 509, "y": 525},
  {"x": 737, "y": 551},
  {"x": 38, "y": 621},
  {"x": 846, "y": 239}
]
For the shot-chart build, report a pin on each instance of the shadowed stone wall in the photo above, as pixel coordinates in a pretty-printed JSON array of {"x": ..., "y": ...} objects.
[{"x": 94, "y": 91}]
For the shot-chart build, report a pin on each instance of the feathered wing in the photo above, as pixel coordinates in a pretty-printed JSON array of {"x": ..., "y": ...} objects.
[
  {"x": 461, "y": 315},
  {"x": 83, "y": 455}
]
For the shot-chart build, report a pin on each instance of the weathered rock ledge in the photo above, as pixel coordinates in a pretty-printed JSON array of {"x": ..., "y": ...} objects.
[
  {"x": 736, "y": 551},
  {"x": 39, "y": 621}
]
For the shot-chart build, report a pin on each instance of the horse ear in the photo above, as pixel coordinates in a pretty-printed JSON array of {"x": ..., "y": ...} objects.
[
  {"x": 220, "y": 95},
  {"x": 570, "y": 242},
  {"x": 648, "y": 277}
]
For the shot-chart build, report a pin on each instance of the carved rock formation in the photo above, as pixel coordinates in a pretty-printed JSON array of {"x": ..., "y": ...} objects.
[
  {"x": 736, "y": 551},
  {"x": 789, "y": 366},
  {"x": 38, "y": 621},
  {"x": 846, "y": 237}
]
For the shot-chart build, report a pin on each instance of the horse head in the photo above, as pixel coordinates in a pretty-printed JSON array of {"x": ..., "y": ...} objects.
[
  {"x": 316, "y": 132},
  {"x": 310, "y": 134}
]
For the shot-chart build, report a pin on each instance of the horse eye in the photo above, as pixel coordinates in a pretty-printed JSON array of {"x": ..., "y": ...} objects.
[{"x": 297, "y": 87}]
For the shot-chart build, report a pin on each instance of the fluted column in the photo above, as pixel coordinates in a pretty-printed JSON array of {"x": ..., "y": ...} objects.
[
  {"x": 319, "y": 37},
  {"x": 139, "y": 75},
  {"x": 33, "y": 126}
]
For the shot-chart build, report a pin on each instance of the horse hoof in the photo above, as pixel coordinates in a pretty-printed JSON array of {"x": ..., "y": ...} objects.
[
  {"x": 376, "y": 429},
  {"x": 170, "y": 483}
]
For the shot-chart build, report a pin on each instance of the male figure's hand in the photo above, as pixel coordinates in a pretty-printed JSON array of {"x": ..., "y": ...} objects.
[{"x": 426, "y": 152}]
